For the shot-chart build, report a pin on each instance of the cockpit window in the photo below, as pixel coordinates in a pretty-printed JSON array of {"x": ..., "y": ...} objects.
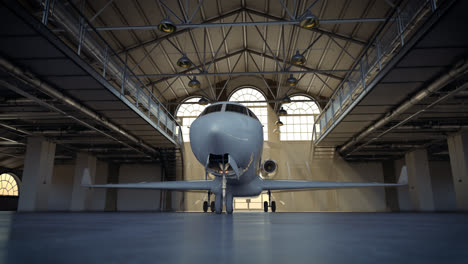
[
  {"x": 211, "y": 109},
  {"x": 236, "y": 108},
  {"x": 252, "y": 114}
]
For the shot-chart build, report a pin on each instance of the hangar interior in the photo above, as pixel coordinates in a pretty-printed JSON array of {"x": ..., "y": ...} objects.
[{"x": 346, "y": 91}]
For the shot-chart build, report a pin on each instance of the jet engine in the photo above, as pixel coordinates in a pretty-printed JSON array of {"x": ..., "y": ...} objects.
[{"x": 269, "y": 168}]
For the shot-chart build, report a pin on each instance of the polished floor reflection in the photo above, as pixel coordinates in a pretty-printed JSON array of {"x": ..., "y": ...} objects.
[{"x": 240, "y": 238}]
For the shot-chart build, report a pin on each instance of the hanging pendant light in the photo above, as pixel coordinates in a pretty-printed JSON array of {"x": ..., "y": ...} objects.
[
  {"x": 282, "y": 112},
  {"x": 194, "y": 83},
  {"x": 291, "y": 81},
  {"x": 285, "y": 99},
  {"x": 203, "y": 101},
  {"x": 276, "y": 131},
  {"x": 279, "y": 123},
  {"x": 298, "y": 59},
  {"x": 184, "y": 62},
  {"x": 167, "y": 26},
  {"x": 309, "y": 21}
]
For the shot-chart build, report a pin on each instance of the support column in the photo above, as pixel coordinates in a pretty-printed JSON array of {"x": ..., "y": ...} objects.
[
  {"x": 81, "y": 197},
  {"x": 111, "y": 196},
  {"x": 37, "y": 175},
  {"x": 419, "y": 180},
  {"x": 458, "y": 150}
]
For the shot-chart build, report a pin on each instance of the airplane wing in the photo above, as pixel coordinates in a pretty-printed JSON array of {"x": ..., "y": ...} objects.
[
  {"x": 169, "y": 185},
  {"x": 285, "y": 185}
]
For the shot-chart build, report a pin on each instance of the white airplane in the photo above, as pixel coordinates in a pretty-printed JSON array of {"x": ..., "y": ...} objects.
[{"x": 227, "y": 139}]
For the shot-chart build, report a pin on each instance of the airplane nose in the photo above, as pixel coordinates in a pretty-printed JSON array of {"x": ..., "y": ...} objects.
[{"x": 206, "y": 137}]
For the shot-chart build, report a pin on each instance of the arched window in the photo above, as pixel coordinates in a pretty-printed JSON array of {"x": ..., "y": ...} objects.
[
  {"x": 244, "y": 96},
  {"x": 8, "y": 185},
  {"x": 299, "y": 122},
  {"x": 188, "y": 111}
]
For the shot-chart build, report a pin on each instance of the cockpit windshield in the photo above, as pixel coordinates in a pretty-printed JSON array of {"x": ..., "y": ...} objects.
[
  {"x": 211, "y": 109},
  {"x": 236, "y": 108}
]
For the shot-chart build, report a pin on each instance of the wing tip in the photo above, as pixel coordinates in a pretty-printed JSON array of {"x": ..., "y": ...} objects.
[
  {"x": 86, "y": 179},
  {"x": 403, "y": 180}
]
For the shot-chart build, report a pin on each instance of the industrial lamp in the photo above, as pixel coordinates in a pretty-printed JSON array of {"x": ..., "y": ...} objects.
[
  {"x": 279, "y": 123},
  {"x": 167, "y": 26},
  {"x": 291, "y": 81},
  {"x": 282, "y": 112},
  {"x": 203, "y": 101},
  {"x": 298, "y": 59},
  {"x": 309, "y": 21},
  {"x": 194, "y": 83},
  {"x": 285, "y": 99},
  {"x": 276, "y": 131},
  {"x": 184, "y": 62}
]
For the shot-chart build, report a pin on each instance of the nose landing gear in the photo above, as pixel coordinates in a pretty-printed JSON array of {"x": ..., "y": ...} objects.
[{"x": 271, "y": 204}]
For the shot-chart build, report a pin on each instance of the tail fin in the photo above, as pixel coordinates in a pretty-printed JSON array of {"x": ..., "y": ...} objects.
[
  {"x": 403, "y": 176},
  {"x": 86, "y": 180}
]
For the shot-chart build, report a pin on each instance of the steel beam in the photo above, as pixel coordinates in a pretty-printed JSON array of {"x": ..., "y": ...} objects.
[{"x": 238, "y": 73}]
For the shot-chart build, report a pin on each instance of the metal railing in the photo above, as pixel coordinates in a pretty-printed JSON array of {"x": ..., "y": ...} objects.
[
  {"x": 80, "y": 35},
  {"x": 387, "y": 44}
]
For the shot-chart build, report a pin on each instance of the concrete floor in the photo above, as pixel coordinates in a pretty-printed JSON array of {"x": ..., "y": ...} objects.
[{"x": 240, "y": 238}]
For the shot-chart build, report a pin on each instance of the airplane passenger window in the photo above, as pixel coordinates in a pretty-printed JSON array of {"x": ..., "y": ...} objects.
[
  {"x": 236, "y": 108},
  {"x": 211, "y": 109}
]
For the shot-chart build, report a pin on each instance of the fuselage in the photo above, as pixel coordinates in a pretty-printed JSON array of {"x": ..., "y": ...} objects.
[{"x": 229, "y": 129}]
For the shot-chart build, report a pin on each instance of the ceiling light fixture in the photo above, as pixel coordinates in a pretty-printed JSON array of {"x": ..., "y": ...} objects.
[
  {"x": 298, "y": 59},
  {"x": 291, "y": 81},
  {"x": 184, "y": 62},
  {"x": 276, "y": 131},
  {"x": 282, "y": 112},
  {"x": 194, "y": 83},
  {"x": 309, "y": 21},
  {"x": 279, "y": 123},
  {"x": 285, "y": 99},
  {"x": 167, "y": 26},
  {"x": 203, "y": 101}
]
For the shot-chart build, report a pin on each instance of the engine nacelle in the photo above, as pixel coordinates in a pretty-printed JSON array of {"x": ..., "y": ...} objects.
[{"x": 269, "y": 168}]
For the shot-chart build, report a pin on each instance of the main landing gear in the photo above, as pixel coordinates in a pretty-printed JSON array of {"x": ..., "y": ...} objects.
[
  {"x": 270, "y": 203},
  {"x": 209, "y": 204}
]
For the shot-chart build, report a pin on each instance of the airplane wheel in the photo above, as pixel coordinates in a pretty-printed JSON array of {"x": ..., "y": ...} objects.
[
  {"x": 219, "y": 203},
  {"x": 205, "y": 206},
  {"x": 229, "y": 204},
  {"x": 265, "y": 206},
  {"x": 273, "y": 206},
  {"x": 212, "y": 206}
]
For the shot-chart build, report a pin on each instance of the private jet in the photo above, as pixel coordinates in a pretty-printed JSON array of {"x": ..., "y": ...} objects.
[{"x": 227, "y": 139}]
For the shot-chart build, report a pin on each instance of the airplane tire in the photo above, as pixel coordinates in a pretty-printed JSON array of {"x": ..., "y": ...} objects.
[
  {"x": 219, "y": 203},
  {"x": 273, "y": 206},
  {"x": 265, "y": 206},
  {"x": 212, "y": 207},
  {"x": 205, "y": 206},
  {"x": 229, "y": 204}
]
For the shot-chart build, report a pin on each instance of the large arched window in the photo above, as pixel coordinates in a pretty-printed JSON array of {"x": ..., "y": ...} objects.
[
  {"x": 8, "y": 185},
  {"x": 258, "y": 105},
  {"x": 299, "y": 122},
  {"x": 188, "y": 111}
]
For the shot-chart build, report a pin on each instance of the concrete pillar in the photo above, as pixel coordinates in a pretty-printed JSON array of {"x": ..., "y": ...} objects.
[
  {"x": 419, "y": 180},
  {"x": 391, "y": 194},
  {"x": 81, "y": 197},
  {"x": 111, "y": 195},
  {"x": 458, "y": 150},
  {"x": 37, "y": 175}
]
